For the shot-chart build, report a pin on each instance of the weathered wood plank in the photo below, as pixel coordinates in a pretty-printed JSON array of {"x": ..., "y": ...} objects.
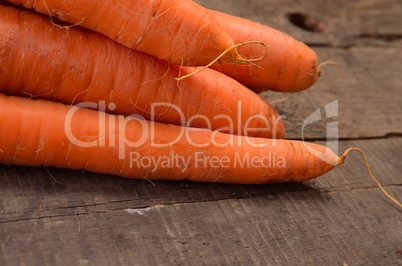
[
  {"x": 295, "y": 227},
  {"x": 349, "y": 23}
]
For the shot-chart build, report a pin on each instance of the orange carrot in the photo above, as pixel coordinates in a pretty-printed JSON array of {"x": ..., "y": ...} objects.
[
  {"x": 289, "y": 65},
  {"x": 76, "y": 65},
  {"x": 179, "y": 31},
  {"x": 44, "y": 133}
]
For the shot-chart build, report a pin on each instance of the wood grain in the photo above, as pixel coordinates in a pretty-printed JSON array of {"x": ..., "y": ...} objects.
[{"x": 349, "y": 23}]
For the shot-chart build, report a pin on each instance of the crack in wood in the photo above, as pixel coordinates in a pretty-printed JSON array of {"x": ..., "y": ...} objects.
[
  {"x": 381, "y": 36},
  {"x": 360, "y": 189},
  {"x": 74, "y": 211},
  {"x": 350, "y": 45},
  {"x": 386, "y": 136}
]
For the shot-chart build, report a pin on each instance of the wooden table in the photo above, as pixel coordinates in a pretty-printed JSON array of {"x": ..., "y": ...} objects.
[{"x": 56, "y": 216}]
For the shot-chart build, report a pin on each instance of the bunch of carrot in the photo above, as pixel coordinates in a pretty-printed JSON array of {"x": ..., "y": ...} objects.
[{"x": 123, "y": 59}]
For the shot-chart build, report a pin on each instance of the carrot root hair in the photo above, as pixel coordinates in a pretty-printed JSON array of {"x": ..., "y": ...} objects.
[
  {"x": 279, "y": 100},
  {"x": 343, "y": 158},
  {"x": 57, "y": 25},
  {"x": 237, "y": 59},
  {"x": 55, "y": 180},
  {"x": 330, "y": 63},
  {"x": 78, "y": 220}
]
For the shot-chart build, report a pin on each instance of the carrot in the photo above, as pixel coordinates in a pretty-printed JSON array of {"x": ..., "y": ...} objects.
[
  {"x": 76, "y": 65},
  {"x": 44, "y": 133},
  {"x": 179, "y": 31},
  {"x": 289, "y": 66}
]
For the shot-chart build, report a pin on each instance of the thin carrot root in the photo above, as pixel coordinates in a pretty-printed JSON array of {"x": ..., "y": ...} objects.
[
  {"x": 279, "y": 100},
  {"x": 55, "y": 180},
  {"x": 57, "y": 25},
  {"x": 343, "y": 157},
  {"x": 78, "y": 220},
  {"x": 330, "y": 63},
  {"x": 238, "y": 59}
]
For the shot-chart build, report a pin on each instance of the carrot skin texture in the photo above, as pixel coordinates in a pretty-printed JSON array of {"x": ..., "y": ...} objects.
[
  {"x": 179, "y": 31},
  {"x": 33, "y": 133},
  {"x": 289, "y": 66},
  {"x": 76, "y": 65}
]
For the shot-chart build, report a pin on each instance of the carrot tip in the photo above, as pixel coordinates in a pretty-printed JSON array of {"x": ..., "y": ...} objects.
[{"x": 341, "y": 160}]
